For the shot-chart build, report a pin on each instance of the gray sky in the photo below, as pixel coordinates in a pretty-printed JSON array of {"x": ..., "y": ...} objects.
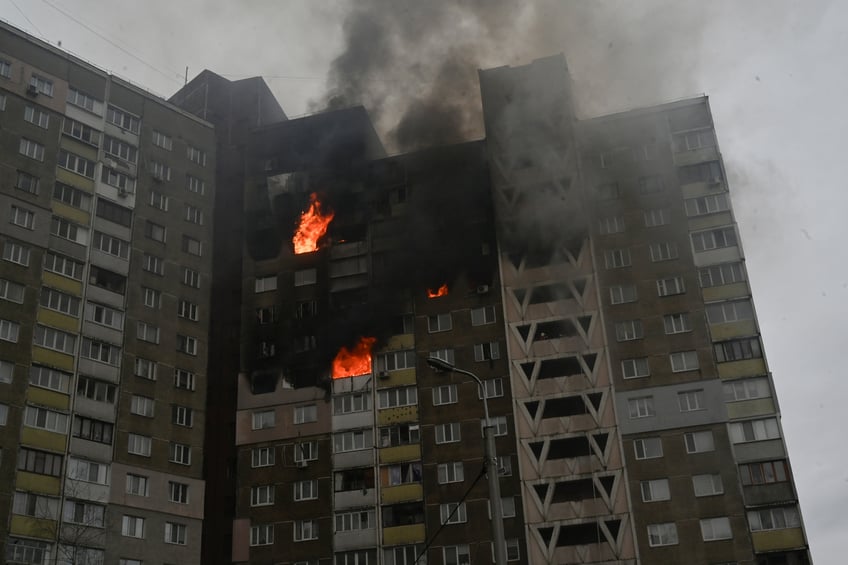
[{"x": 775, "y": 74}]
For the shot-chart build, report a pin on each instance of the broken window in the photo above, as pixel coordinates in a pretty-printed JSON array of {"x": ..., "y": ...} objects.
[
  {"x": 400, "y": 434},
  {"x": 354, "y": 479},
  {"x": 403, "y": 514}
]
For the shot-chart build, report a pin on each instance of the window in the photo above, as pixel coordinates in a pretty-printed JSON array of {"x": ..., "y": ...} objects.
[
  {"x": 448, "y": 433},
  {"x": 22, "y": 217},
  {"x": 183, "y": 379},
  {"x": 450, "y": 472},
  {"x": 54, "y": 339},
  {"x": 262, "y": 457},
  {"x": 350, "y": 403},
  {"x": 453, "y": 513},
  {"x": 617, "y": 258},
  {"x": 71, "y": 196},
  {"x": 305, "y": 277},
  {"x": 305, "y": 490},
  {"x": 5, "y": 68},
  {"x": 713, "y": 529},
  {"x": 648, "y": 448},
  {"x": 439, "y": 323},
  {"x": 747, "y": 389},
  {"x": 738, "y": 349},
  {"x": 635, "y": 368},
  {"x": 352, "y": 441},
  {"x": 396, "y": 360},
  {"x": 46, "y": 419},
  {"x": 642, "y": 407},
  {"x": 27, "y": 182},
  {"x": 182, "y": 416},
  {"x": 707, "y": 485},
  {"x": 35, "y": 505},
  {"x": 141, "y": 405},
  {"x": 356, "y": 520},
  {"x": 130, "y": 562},
  {"x": 404, "y": 473},
  {"x": 75, "y": 163},
  {"x": 677, "y": 323},
  {"x": 629, "y": 330},
  {"x": 163, "y": 140},
  {"x": 766, "y": 472},
  {"x": 145, "y": 368},
  {"x": 7, "y": 372},
  {"x": 456, "y": 555},
  {"x": 20, "y": 550},
  {"x": 265, "y": 284},
  {"x": 42, "y": 85},
  {"x": 306, "y": 309},
  {"x": 400, "y": 434},
  {"x": 151, "y": 298},
  {"x": 88, "y": 471},
  {"x": 186, "y": 344},
  {"x": 40, "y": 462},
  {"x": 138, "y": 445},
  {"x": 120, "y": 149},
  {"x": 684, "y": 361},
  {"x": 137, "y": 485},
  {"x": 175, "y": 533},
  {"x": 31, "y": 149},
  {"x": 691, "y": 140},
  {"x": 122, "y": 119},
  {"x": 482, "y": 316},
  {"x": 499, "y": 423},
  {"x": 114, "y": 213},
  {"x": 650, "y": 184},
  {"x": 192, "y": 246},
  {"x": 97, "y": 390},
  {"x": 690, "y": 400},
  {"x": 305, "y": 530},
  {"x": 80, "y": 131},
  {"x": 655, "y": 490},
  {"x": 774, "y": 518},
  {"x": 403, "y": 555},
  {"x": 93, "y": 430},
  {"x": 60, "y": 265},
  {"x": 670, "y": 286},
  {"x": 4, "y": 413},
  {"x": 111, "y": 245},
  {"x": 657, "y": 217},
  {"x": 726, "y": 273},
  {"x": 158, "y": 200},
  {"x": 704, "y": 205},
  {"x": 101, "y": 351},
  {"x": 193, "y": 215},
  {"x": 612, "y": 224},
  {"x": 262, "y": 534},
  {"x": 195, "y": 155},
  {"x": 154, "y": 231},
  {"x": 9, "y": 331},
  {"x": 16, "y": 253},
  {"x": 608, "y": 191},
  {"x": 153, "y": 264},
  {"x": 701, "y": 172},
  {"x": 662, "y": 534},
  {"x": 124, "y": 183},
  {"x": 37, "y": 117},
  {"x": 401, "y": 396},
  {"x": 622, "y": 293},
  {"x": 487, "y": 351},
  {"x": 196, "y": 185},
  {"x": 65, "y": 229},
  {"x": 714, "y": 239},
  {"x": 730, "y": 311},
  {"x": 44, "y": 377},
  {"x": 492, "y": 388},
  {"x": 445, "y": 394},
  {"x": 699, "y": 442},
  {"x": 306, "y": 451},
  {"x": 665, "y": 251},
  {"x": 179, "y": 453},
  {"x": 263, "y": 420},
  {"x": 305, "y": 414},
  {"x": 262, "y": 495},
  {"x": 84, "y": 513},
  {"x": 754, "y": 430}
]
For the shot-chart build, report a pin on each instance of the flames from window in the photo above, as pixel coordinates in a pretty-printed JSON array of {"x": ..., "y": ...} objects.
[
  {"x": 441, "y": 291},
  {"x": 354, "y": 361},
  {"x": 313, "y": 226}
]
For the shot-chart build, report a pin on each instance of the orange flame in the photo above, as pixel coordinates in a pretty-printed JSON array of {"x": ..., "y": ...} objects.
[
  {"x": 354, "y": 362},
  {"x": 313, "y": 226},
  {"x": 441, "y": 291}
]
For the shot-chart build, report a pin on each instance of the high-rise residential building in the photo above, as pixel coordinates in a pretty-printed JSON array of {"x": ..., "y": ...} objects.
[
  {"x": 106, "y": 196},
  {"x": 214, "y": 323}
]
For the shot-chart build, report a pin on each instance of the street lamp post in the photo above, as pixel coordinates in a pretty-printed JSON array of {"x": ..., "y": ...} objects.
[{"x": 491, "y": 456}]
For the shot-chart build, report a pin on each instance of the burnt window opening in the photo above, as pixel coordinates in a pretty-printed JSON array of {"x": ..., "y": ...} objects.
[
  {"x": 107, "y": 279},
  {"x": 263, "y": 382},
  {"x": 550, "y": 293},
  {"x": 702, "y": 172},
  {"x": 266, "y": 350},
  {"x": 266, "y": 315},
  {"x": 403, "y": 324},
  {"x": 580, "y": 534},
  {"x": 570, "y": 448},
  {"x": 563, "y": 407},
  {"x": 563, "y": 367},
  {"x": 354, "y": 479},
  {"x": 403, "y": 514},
  {"x": 537, "y": 258},
  {"x": 572, "y": 491},
  {"x": 555, "y": 330}
]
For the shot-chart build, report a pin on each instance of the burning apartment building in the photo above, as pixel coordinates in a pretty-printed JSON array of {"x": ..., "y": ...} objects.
[{"x": 588, "y": 271}]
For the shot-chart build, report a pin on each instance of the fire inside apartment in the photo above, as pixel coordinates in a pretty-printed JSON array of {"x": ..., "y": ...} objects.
[{"x": 215, "y": 325}]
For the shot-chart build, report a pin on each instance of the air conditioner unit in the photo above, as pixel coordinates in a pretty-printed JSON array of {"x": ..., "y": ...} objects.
[
  {"x": 302, "y": 464},
  {"x": 383, "y": 375},
  {"x": 483, "y": 289},
  {"x": 32, "y": 90}
]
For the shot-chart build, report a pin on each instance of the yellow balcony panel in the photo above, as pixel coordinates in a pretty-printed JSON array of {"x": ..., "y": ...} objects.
[
  {"x": 81, "y": 149},
  {"x": 43, "y": 439},
  {"x": 400, "y": 341},
  {"x": 400, "y": 453},
  {"x": 37, "y": 483},
  {"x": 746, "y": 368},
  {"x": 790, "y": 538},
  {"x": 33, "y": 527},
  {"x": 396, "y": 378},
  {"x": 73, "y": 214},
  {"x": 64, "y": 284},
  {"x": 402, "y": 493},
  {"x": 45, "y": 397},
  {"x": 725, "y": 291},
  {"x": 403, "y": 535},
  {"x": 748, "y": 408},
  {"x": 57, "y": 320},
  {"x": 710, "y": 221},
  {"x": 397, "y": 415},
  {"x": 53, "y": 358},
  {"x": 732, "y": 329},
  {"x": 79, "y": 181}
]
